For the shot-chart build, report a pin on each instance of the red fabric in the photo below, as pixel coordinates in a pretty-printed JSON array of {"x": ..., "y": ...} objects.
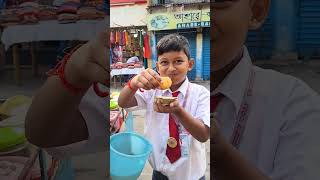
[
  {"x": 147, "y": 51},
  {"x": 70, "y": 10},
  {"x": 99, "y": 92},
  {"x": 112, "y": 37},
  {"x": 173, "y": 154},
  {"x": 215, "y": 100},
  {"x": 121, "y": 42},
  {"x": 124, "y": 42},
  {"x": 59, "y": 70},
  {"x": 117, "y": 37}
]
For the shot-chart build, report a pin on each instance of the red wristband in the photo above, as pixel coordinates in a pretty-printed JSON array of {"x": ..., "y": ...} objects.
[
  {"x": 129, "y": 86},
  {"x": 98, "y": 92},
  {"x": 59, "y": 70}
]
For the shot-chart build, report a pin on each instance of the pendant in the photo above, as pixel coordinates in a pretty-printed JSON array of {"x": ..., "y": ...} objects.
[{"x": 172, "y": 142}]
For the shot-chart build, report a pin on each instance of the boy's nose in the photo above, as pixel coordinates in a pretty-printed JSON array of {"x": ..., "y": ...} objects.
[{"x": 171, "y": 67}]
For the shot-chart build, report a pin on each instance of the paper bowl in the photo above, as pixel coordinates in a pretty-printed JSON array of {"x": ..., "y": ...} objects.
[{"x": 165, "y": 100}]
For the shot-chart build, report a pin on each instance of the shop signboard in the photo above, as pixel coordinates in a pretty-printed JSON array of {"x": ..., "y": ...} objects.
[{"x": 179, "y": 20}]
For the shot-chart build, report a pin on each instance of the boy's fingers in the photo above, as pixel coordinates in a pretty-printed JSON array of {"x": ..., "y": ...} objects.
[
  {"x": 155, "y": 107},
  {"x": 102, "y": 58},
  {"x": 167, "y": 109},
  {"x": 102, "y": 39},
  {"x": 154, "y": 74},
  {"x": 96, "y": 73},
  {"x": 173, "y": 104},
  {"x": 145, "y": 82},
  {"x": 159, "y": 106},
  {"x": 140, "y": 85},
  {"x": 99, "y": 50},
  {"x": 100, "y": 54},
  {"x": 154, "y": 84}
]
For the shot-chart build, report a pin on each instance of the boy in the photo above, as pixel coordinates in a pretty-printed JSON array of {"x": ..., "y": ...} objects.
[
  {"x": 178, "y": 131},
  {"x": 268, "y": 122}
]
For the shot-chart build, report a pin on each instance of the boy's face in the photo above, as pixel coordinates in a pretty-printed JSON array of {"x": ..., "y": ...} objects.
[
  {"x": 174, "y": 64},
  {"x": 230, "y": 23}
]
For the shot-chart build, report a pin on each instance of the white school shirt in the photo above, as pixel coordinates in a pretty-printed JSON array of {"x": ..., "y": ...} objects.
[
  {"x": 282, "y": 132},
  {"x": 157, "y": 131},
  {"x": 95, "y": 112}
]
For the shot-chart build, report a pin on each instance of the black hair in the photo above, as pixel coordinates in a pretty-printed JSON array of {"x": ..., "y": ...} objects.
[{"x": 173, "y": 42}]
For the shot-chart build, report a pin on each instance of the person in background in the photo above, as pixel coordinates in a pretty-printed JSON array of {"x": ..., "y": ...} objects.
[{"x": 133, "y": 59}]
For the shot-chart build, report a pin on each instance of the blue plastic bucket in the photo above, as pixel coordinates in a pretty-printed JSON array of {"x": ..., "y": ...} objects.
[{"x": 128, "y": 155}]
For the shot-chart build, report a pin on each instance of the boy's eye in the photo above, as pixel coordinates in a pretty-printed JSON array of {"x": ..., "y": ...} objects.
[
  {"x": 179, "y": 61},
  {"x": 163, "y": 62}
]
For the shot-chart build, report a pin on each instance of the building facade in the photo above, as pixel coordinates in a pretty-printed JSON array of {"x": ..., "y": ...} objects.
[
  {"x": 292, "y": 31},
  {"x": 190, "y": 18}
]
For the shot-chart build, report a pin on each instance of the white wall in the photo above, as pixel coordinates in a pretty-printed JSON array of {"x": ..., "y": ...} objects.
[{"x": 128, "y": 15}]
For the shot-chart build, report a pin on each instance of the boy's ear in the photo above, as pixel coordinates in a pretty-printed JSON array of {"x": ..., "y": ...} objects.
[
  {"x": 191, "y": 63},
  {"x": 157, "y": 66},
  {"x": 259, "y": 9}
]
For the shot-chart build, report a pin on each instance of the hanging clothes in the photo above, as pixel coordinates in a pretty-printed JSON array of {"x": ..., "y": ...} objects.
[
  {"x": 129, "y": 40},
  {"x": 145, "y": 63},
  {"x": 112, "y": 37},
  {"x": 126, "y": 37},
  {"x": 121, "y": 39},
  {"x": 140, "y": 39},
  {"x": 117, "y": 37},
  {"x": 146, "y": 48},
  {"x": 111, "y": 56}
]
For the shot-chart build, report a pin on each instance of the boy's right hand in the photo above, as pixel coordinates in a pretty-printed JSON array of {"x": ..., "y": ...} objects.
[
  {"x": 90, "y": 63},
  {"x": 148, "y": 79}
]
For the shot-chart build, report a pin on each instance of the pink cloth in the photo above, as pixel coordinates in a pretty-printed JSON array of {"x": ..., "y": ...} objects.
[{"x": 12, "y": 166}]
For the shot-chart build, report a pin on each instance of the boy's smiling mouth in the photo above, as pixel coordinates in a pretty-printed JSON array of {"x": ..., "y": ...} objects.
[{"x": 172, "y": 75}]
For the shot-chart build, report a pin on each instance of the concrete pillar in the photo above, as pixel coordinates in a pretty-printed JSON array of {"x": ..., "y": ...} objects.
[
  {"x": 153, "y": 46},
  {"x": 198, "y": 61}
]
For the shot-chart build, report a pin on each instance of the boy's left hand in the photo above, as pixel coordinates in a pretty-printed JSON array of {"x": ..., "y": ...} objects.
[{"x": 174, "y": 107}]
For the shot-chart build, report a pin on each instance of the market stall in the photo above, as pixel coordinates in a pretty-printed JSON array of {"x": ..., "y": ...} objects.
[
  {"x": 129, "y": 51},
  {"x": 18, "y": 158},
  {"x": 33, "y": 22},
  {"x": 120, "y": 119}
]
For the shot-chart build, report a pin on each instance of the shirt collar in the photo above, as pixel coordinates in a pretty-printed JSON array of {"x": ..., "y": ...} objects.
[
  {"x": 182, "y": 89},
  {"x": 234, "y": 85}
]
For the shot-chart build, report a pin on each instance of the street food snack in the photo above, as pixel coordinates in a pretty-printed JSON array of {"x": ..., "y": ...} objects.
[
  {"x": 165, "y": 100},
  {"x": 165, "y": 83}
]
